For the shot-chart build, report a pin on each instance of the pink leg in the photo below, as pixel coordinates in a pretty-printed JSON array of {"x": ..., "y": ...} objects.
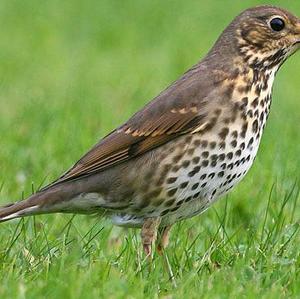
[
  {"x": 164, "y": 239},
  {"x": 149, "y": 234}
]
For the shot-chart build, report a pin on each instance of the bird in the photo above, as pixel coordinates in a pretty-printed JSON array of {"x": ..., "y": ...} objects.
[{"x": 188, "y": 146}]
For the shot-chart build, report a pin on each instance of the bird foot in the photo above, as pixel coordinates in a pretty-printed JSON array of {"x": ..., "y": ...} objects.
[
  {"x": 163, "y": 240},
  {"x": 149, "y": 234}
]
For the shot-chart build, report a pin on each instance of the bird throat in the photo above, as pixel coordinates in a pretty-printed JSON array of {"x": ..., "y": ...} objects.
[{"x": 252, "y": 91}]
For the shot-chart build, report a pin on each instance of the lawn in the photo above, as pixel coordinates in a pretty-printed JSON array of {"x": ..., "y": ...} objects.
[{"x": 71, "y": 71}]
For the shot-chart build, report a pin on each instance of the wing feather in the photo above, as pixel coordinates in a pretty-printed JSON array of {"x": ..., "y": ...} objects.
[{"x": 180, "y": 109}]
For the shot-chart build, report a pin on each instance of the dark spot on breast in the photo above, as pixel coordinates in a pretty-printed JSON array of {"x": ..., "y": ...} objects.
[
  {"x": 230, "y": 155},
  {"x": 227, "y": 120},
  {"x": 213, "y": 163},
  {"x": 223, "y": 166},
  {"x": 244, "y": 129},
  {"x": 254, "y": 103},
  {"x": 212, "y": 145},
  {"x": 204, "y": 143},
  {"x": 186, "y": 163},
  {"x": 203, "y": 185},
  {"x": 261, "y": 117},
  {"x": 211, "y": 175},
  {"x": 158, "y": 202},
  {"x": 184, "y": 185},
  {"x": 203, "y": 176},
  {"x": 172, "y": 192},
  {"x": 214, "y": 157},
  {"x": 262, "y": 103},
  {"x": 180, "y": 202},
  {"x": 250, "y": 113},
  {"x": 165, "y": 212},
  {"x": 223, "y": 133},
  {"x": 196, "y": 160},
  {"x": 197, "y": 142},
  {"x": 237, "y": 163},
  {"x": 255, "y": 126},
  {"x": 218, "y": 112},
  {"x": 175, "y": 168},
  {"x": 175, "y": 209},
  {"x": 238, "y": 153},
  {"x": 221, "y": 174},
  {"x": 190, "y": 151},
  {"x": 171, "y": 180},
  {"x": 222, "y": 157},
  {"x": 205, "y": 163},
  {"x": 250, "y": 142},
  {"x": 245, "y": 100},
  {"x": 170, "y": 202},
  {"x": 234, "y": 134},
  {"x": 153, "y": 194},
  {"x": 195, "y": 186},
  {"x": 258, "y": 89},
  {"x": 196, "y": 195},
  {"x": 194, "y": 171},
  {"x": 205, "y": 154},
  {"x": 233, "y": 143},
  {"x": 222, "y": 145},
  {"x": 230, "y": 166},
  {"x": 177, "y": 158},
  {"x": 188, "y": 199}
]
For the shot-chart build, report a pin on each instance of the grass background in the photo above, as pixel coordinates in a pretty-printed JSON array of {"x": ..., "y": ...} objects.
[{"x": 71, "y": 71}]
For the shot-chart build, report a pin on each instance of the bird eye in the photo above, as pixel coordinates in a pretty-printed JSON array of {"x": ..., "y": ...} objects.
[{"x": 277, "y": 24}]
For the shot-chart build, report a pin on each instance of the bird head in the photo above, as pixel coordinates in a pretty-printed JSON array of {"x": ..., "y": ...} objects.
[
  {"x": 264, "y": 37},
  {"x": 267, "y": 35}
]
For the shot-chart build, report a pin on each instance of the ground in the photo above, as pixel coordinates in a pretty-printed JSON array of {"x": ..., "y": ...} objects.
[{"x": 71, "y": 71}]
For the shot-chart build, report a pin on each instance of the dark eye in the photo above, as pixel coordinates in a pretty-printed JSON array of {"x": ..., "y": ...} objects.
[{"x": 277, "y": 24}]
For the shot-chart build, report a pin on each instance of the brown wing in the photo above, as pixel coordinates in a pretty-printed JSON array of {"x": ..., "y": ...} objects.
[
  {"x": 178, "y": 110},
  {"x": 127, "y": 142}
]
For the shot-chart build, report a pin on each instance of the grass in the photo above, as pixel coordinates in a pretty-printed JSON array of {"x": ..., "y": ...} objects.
[{"x": 71, "y": 71}]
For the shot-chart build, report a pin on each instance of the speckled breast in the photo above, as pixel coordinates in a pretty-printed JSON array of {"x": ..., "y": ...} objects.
[{"x": 199, "y": 168}]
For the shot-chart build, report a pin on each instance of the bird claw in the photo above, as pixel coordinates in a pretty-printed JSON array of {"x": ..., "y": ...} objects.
[
  {"x": 148, "y": 250},
  {"x": 149, "y": 234}
]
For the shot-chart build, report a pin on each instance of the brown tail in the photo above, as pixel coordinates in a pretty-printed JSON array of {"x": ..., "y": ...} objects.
[{"x": 29, "y": 206}]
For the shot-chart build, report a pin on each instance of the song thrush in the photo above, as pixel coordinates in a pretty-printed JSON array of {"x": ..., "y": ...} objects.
[{"x": 193, "y": 143}]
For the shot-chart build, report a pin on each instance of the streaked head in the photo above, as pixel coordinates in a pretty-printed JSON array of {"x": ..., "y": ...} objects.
[
  {"x": 267, "y": 35},
  {"x": 262, "y": 36}
]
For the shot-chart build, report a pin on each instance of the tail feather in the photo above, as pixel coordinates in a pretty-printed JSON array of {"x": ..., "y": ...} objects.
[{"x": 23, "y": 208}]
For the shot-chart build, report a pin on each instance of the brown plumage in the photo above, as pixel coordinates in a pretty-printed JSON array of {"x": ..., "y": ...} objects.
[{"x": 187, "y": 147}]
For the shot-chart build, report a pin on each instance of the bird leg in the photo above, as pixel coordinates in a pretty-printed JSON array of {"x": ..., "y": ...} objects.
[
  {"x": 163, "y": 241},
  {"x": 149, "y": 234}
]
